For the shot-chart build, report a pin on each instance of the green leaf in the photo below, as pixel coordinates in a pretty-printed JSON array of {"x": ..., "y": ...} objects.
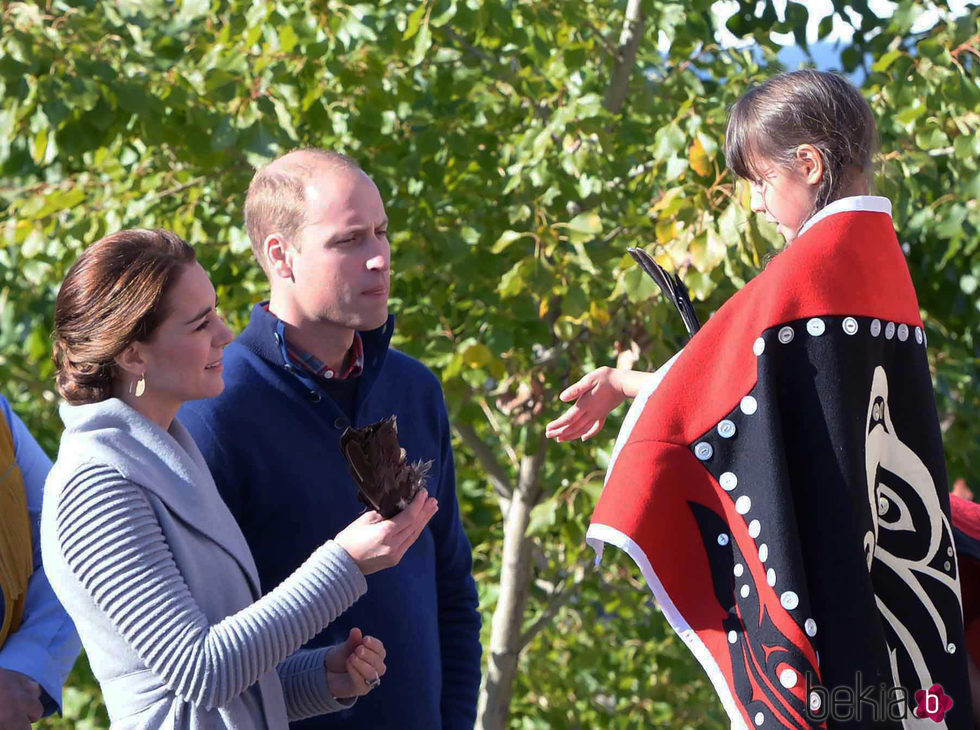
[
  {"x": 423, "y": 41},
  {"x": 506, "y": 238},
  {"x": 39, "y": 147},
  {"x": 586, "y": 224},
  {"x": 932, "y": 139},
  {"x": 415, "y": 21},
  {"x": 513, "y": 282},
  {"x": 543, "y": 517},
  {"x": 668, "y": 141},
  {"x": 287, "y": 38},
  {"x": 191, "y": 10},
  {"x": 442, "y": 17},
  {"x": 885, "y": 62},
  {"x": 476, "y": 355}
]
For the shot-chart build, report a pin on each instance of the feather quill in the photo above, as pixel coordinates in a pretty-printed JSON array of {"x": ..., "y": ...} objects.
[{"x": 672, "y": 287}]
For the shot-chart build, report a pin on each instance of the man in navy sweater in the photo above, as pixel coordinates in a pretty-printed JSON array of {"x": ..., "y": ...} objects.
[{"x": 313, "y": 360}]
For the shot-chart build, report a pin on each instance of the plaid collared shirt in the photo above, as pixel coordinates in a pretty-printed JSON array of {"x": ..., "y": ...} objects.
[{"x": 352, "y": 367}]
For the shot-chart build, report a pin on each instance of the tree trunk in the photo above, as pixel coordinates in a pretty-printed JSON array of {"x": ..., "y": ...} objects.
[
  {"x": 629, "y": 43},
  {"x": 506, "y": 636},
  {"x": 508, "y": 616}
]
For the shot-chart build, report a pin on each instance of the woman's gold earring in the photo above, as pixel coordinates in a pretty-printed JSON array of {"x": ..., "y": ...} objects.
[{"x": 141, "y": 385}]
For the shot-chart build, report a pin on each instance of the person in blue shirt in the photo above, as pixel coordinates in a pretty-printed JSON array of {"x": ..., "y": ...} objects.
[
  {"x": 314, "y": 360},
  {"x": 37, "y": 656}
]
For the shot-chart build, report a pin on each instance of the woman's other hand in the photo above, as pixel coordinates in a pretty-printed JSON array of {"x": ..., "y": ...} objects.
[
  {"x": 355, "y": 667},
  {"x": 376, "y": 543}
]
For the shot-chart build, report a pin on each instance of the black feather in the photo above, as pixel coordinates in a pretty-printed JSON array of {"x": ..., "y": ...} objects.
[
  {"x": 671, "y": 286},
  {"x": 386, "y": 482}
]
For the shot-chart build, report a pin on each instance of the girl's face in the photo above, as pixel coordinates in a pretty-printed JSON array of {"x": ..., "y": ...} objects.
[{"x": 787, "y": 195}]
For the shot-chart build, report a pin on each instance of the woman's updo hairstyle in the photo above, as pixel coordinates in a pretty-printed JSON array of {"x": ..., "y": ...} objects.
[
  {"x": 112, "y": 296},
  {"x": 822, "y": 109}
]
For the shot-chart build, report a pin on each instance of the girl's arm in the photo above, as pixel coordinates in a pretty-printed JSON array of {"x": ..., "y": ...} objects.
[{"x": 596, "y": 395}]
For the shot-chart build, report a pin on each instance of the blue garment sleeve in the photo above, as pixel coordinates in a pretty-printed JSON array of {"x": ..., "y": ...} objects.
[
  {"x": 45, "y": 646},
  {"x": 459, "y": 615}
]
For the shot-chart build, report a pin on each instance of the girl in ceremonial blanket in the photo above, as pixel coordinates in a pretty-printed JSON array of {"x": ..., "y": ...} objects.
[{"x": 780, "y": 482}]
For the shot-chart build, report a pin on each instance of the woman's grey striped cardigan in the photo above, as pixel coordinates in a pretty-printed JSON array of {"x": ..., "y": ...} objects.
[{"x": 160, "y": 583}]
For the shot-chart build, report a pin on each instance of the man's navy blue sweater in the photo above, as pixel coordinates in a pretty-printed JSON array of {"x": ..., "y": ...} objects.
[{"x": 272, "y": 441}]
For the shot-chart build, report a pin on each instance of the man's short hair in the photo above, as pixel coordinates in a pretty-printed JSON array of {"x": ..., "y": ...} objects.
[{"x": 276, "y": 202}]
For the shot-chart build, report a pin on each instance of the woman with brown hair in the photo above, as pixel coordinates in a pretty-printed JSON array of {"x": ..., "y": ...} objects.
[{"x": 137, "y": 542}]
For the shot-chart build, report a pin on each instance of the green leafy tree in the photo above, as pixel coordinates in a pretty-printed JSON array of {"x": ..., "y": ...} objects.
[{"x": 520, "y": 148}]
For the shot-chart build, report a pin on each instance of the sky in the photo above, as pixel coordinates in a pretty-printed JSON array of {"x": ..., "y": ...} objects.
[
  {"x": 826, "y": 54},
  {"x": 820, "y": 9}
]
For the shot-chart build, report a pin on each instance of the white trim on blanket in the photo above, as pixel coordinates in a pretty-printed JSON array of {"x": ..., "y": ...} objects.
[
  {"x": 596, "y": 537},
  {"x": 867, "y": 203}
]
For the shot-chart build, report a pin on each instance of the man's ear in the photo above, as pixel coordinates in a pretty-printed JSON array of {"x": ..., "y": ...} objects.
[
  {"x": 810, "y": 163},
  {"x": 279, "y": 256},
  {"x": 131, "y": 360}
]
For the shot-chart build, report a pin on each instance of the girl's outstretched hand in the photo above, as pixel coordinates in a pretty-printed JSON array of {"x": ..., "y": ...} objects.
[
  {"x": 355, "y": 667},
  {"x": 376, "y": 543},
  {"x": 596, "y": 395}
]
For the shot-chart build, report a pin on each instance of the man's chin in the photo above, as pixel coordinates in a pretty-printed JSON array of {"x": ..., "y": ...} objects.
[{"x": 367, "y": 322}]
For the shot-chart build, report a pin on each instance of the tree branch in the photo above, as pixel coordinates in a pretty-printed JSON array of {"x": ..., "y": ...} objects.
[
  {"x": 606, "y": 45},
  {"x": 176, "y": 189},
  {"x": 495, "y": 425},
  {"x": 469, "y": 47},
  {"x": 529, "y": 477},
  {"x": 629, "y": 44},
  {"x": 499, "y": 478},
  {"x": 969, "y": 46},
  {"x": 559, "y": 598}
]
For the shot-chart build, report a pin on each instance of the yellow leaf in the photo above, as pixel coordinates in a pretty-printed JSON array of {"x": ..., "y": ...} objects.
[
  {"x": 40, "y": 146},
  {"x": 665, "y": 230},
  {"x": 477, "y": 355},
  {"x": 698, "y": 158},
  {"x": 745, "y": 195},
  {"x": 599, "y": 314}
]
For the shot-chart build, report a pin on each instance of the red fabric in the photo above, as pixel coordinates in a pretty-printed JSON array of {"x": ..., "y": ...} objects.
[
  {"x": 966, "y": 515},
  {"x": 670, "y": 530},
  {"x": 966, "y": 518},
  {"x": 821, "y": 273}
]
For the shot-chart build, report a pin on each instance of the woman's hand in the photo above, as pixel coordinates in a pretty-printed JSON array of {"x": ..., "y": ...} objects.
[
  {"x": 376, "y": 543},
  {"x": 355, "y": 667},
  {"x": 596, "y": 396}
]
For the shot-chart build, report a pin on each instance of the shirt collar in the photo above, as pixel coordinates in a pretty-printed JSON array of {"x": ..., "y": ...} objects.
[
  {"x": 853, "y": 203},
  {"x": 259, "y": 335},
  {"x": 299, "y": 358}
]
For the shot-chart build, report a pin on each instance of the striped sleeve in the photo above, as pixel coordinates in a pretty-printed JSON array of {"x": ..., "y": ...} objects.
[
  {"x": 304, "y": 686},
  {"x": 113, "y": 544}
]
